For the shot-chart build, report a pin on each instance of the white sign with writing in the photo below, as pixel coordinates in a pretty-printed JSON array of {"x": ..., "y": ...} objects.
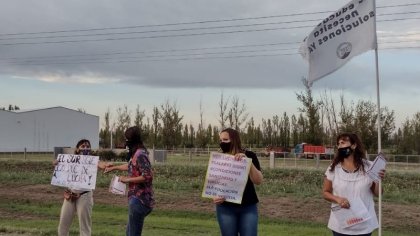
[
  {"x": 226, "y": 177},
  {"x": 75, "y": 171}
]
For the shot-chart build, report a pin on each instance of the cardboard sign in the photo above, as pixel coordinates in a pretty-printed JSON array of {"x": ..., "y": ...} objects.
[
  {"x": 75, "y": 171},
  {"x": 226, "y": 177}
]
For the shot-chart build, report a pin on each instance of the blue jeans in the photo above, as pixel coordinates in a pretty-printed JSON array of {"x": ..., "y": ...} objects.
[
  {"x": 237, "y": 220},
  {"x": 136, "y": 214},
  {"x": 338, "y": 234}
]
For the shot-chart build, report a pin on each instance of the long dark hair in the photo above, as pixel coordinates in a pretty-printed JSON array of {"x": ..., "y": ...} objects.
[
  {"x": 358, "y": 153},
  {"x": 133, "y": 135},
  {"x": 235, "y": 140}
]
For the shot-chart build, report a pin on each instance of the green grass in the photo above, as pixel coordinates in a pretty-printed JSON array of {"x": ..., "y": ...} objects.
[
  {"x": 400, "y": 187},
  {"x": 173, "y": 179},
  {"x": 41, "y": 219}
]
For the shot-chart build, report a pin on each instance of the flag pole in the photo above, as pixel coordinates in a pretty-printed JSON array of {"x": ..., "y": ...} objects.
[{"x": 378, "y": 121}]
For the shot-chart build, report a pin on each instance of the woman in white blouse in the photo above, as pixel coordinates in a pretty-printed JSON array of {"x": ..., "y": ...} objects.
[{"x": 350, "y": 190}]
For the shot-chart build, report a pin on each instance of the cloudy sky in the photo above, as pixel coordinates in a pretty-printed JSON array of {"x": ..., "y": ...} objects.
[{"x": 100, "y": 55}]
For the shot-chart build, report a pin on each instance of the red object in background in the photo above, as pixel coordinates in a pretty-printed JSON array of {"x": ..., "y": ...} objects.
[{"x": 313, "y": 149}]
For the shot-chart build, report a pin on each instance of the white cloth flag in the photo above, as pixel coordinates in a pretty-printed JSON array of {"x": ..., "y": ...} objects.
[{"x": 344, "y": 34}]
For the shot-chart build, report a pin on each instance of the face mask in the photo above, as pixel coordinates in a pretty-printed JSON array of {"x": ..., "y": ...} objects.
[
  {"x": 129, "y": 144},
  {"x": 129, "y": 151},
  {"x": 225, "y": 147},
  {"x": 128, "y": 157},
  {"x": 84, "y": 151},
  {"x": 344, "y": 152}
]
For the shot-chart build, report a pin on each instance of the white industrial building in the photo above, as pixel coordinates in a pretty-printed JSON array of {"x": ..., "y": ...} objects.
[{"x": 43, "y": 129}]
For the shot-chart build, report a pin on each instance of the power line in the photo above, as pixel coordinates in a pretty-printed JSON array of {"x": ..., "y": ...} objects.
[
  {"x": 157, "y": 51},
  {"x": 187, "y": 49},
  {"x": 192, "y": 22},
  {"x": 405, "y": 47},
  {"x": 399, "y": 35},
  {"x": 192, "y": 56},
  {"x": 167, "y": 59},
  {"x": 154, "y": 36},
  {"x": 400, "y": 5},
  {"x": 183, "y": 29},
  {"x": 188, "y": 58},
  {"x": 161, "y": 31},
  {"x": 403, "y": 41},
  {"x": 176, "y": 35}
]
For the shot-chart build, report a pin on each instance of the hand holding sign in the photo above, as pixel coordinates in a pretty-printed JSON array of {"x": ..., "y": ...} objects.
[
  {"x": 377, "y": 170},
  {"x": 226, "y": 177},
  {"x": 75, "y": 171}
]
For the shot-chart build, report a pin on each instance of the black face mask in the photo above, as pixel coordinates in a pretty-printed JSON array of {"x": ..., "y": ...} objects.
[
  {"x": 130, "y": 147},
  {"x": 128, "y": 157},
  {"x": 225, "y": 147},
  {"x": 344, "y": 152},
  {"x": 130, "y": 144},
  {"x": 84, "y": 152}
]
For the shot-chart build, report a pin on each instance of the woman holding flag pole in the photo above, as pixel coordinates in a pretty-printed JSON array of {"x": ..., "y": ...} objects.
[
  {"x": 344, "y": 34},
  {"x": 350, "y": 190}
]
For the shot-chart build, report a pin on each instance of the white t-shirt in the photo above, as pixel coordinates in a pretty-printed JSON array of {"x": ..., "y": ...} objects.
[{"x": 352, "y": 186}]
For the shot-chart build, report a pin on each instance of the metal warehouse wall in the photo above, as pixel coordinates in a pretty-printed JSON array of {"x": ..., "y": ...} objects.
[{"x": 44, "y": 129}]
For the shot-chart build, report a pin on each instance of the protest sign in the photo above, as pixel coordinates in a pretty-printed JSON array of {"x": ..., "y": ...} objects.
[
  {"x": 75, "y": 171},
  {"x": 226, "y": 177}
]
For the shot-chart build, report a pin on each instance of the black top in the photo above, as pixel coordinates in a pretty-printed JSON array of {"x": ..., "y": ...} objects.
[{"x": 250, "y": 196}]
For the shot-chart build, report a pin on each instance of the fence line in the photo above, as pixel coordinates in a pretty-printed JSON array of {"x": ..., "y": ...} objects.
[{"x": 281, "y": 160}]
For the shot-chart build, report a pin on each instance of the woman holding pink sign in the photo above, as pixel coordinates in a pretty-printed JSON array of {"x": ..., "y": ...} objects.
[
  {"x": 239, "y": 219},
  {"x": 350, "y": 189}
]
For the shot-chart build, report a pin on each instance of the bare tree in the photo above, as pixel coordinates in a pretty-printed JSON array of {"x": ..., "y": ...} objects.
[
  {"x": 171, "y": 125},
  {"x": 311, "y": 110},
  {"x": 346, "y": 116},
  {"x": 122, "y": 123},
  {"x": 138, "y": 117},
  {"x": 237, "y": 113},
  {"x": 138, "y": 121},
  {"x": 105, "y": 133},
  {"x": 155, "y": 126},
  {"x": 202, "y": 137},
  {"x": 329, "y": 111},
  {"x": 223, "y": 115},
  {"x": 285, "y": 131},
  {"x": 295, "y": 130}
]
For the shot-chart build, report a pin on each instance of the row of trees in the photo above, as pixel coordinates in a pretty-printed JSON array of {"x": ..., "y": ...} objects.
[
  {"x": 10, "y": 108},
  {"x": 318, "y": 122}
]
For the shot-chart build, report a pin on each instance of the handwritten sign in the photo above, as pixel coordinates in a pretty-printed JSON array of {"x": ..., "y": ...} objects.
[
  {"x": 226, "y": 177},
  {"x": 75, "y": 171}
]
